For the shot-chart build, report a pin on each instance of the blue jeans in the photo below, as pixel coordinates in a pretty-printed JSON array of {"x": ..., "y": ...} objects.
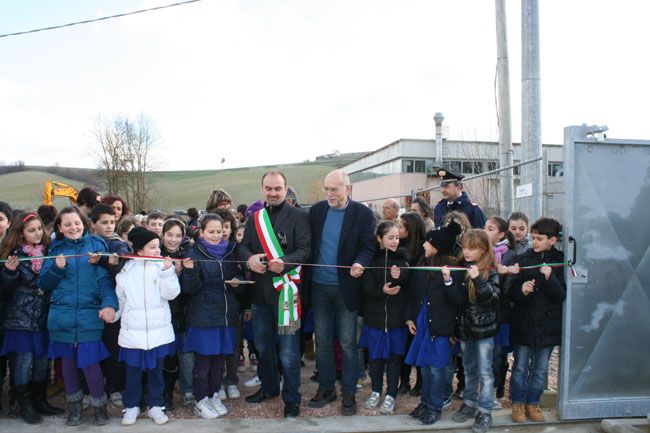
[
  {"x": 477, "y": 362},
  {"x": 133, "y": 386},
  {"x": 25, "y": 367},
  {"x": 185, "y": 367},
  {"x": 265, "y": 329},
  {"x": 527, "y": 384},
  {"x": 329, "y": 311},
  {"x": 433, "y": 386}
]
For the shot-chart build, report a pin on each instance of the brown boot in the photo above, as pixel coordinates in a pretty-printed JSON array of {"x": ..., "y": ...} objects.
[
  {"x": 518, "y": 414},
  {"x": 535, "y": 413}
]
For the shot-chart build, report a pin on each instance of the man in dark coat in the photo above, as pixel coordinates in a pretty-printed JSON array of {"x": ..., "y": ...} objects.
[
  {"x": 342, "y": 235},
  {"x": 454, "y": 198},
  {"x": 290, "y": 226}
]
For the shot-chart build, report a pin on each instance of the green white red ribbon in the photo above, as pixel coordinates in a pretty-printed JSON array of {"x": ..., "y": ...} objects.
[{"x": 289, "y": 306}]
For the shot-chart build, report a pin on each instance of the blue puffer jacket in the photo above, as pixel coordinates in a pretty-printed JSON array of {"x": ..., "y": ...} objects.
[
  {"x": 79, "y": 291},
  {"x": 26, "y": 304},
  {"x": 211, "y": 302}
]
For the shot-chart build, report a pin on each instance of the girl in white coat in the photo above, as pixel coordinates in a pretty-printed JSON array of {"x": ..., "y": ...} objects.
[{"x": 143, "y": 289}]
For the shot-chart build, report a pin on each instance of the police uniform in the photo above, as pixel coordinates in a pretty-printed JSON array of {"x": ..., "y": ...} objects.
[{"x": 462, "y": 203}]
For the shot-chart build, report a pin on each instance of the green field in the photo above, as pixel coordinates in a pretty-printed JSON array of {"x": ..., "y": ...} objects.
[
  {"x": 24, "y": 190},
  {"x": 172, "y": 190}
]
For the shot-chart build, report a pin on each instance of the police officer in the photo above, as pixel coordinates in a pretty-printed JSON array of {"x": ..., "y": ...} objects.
[{"x": 454, "y": 198}]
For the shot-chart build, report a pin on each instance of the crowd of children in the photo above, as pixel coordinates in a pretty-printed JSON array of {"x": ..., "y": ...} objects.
[{"x": 131, "y": 306}]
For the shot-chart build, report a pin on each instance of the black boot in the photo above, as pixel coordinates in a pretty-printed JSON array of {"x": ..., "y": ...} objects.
[
  {"x": 39, "y": 400},
  {"x": 170, "y": 382},
  {"x": 74, "y": 408},
  {"x": 27, "y": 412},
  {"x": 101, "y": 414}
]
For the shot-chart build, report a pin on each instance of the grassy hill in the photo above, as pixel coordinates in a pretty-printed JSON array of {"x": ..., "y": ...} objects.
[
  {"x": 183, "y": 189},
  {"x": 178, "y": 189},
  {"x": 24, "y": 190}
]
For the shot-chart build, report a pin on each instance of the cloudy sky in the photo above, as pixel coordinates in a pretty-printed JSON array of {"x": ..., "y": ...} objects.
[{"x": 270, "y": 81}]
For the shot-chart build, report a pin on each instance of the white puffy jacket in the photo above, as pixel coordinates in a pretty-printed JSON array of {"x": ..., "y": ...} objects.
[{"x": 143, "y": 289}]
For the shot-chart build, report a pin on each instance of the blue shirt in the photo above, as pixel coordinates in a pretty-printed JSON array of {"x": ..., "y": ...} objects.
[{"x": 329, "y": 246}]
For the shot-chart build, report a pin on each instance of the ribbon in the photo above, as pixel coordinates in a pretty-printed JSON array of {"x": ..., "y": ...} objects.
[{"x": 289, "y": 307}]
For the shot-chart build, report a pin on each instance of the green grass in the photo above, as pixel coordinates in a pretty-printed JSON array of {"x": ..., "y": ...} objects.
[
  {"x": 179, "y": 189},
  {"x": 24, "y": 190}
]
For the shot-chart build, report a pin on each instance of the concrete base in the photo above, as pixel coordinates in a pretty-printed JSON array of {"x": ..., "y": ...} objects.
[{"x": 629, "y": 425}]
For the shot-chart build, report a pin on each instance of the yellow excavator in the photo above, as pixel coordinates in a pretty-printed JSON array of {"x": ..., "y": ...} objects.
[{"x": 58, "y": 189}]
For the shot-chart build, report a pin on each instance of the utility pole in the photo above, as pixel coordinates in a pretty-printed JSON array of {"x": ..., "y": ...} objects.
[
  {"x": 531, "y": 130},
  {"x": 506, "y": 184}
]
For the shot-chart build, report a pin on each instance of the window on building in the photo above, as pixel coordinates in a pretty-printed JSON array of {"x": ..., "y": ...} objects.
[
  {"x": 555, "y": 169},
  {"x": 420, "y": 166},
  {"x": 407, "y": 166},
  {"x": 516, "y": 170},
  {"x": 491, "y": 165},
  {"x": 467, "y": 167}
]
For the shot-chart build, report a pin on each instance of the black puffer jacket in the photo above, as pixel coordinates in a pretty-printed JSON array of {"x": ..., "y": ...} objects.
[
  {"x": 537, "y": 318},
  {"x": 505, "y": 284},
  {"x": 380, "y": 310},
  {"x": 478, "y": 320},
  {"x": 26, "y": 305},
  {"x": 211, "y": 302},
  {"x": 178, "y": 305},
  {"x": 442, "y": 300}
]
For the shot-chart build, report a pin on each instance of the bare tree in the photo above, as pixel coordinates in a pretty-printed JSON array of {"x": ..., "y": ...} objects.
[{"x": 125, "y": 152}]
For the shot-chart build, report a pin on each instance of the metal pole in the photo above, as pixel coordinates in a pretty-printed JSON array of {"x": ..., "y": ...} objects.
[
  {"x": 531, "y": 131},
  {"x": 506, "y": 183}
]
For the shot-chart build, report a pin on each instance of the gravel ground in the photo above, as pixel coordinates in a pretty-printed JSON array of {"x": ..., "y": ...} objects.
[{"x": 238, "y": 408}]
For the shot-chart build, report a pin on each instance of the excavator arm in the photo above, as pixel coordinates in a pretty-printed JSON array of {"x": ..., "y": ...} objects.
[{"x": 53, "y": 189}]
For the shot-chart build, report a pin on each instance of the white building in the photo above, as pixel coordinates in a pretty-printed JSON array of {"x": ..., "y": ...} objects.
[{"x": 406, "y": 168}]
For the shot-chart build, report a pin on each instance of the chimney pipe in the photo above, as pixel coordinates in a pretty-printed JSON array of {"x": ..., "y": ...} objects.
[{"x": 438, "y": 118}]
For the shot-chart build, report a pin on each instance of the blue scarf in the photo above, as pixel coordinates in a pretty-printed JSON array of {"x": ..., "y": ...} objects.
[{"x": 215, "y": 251}]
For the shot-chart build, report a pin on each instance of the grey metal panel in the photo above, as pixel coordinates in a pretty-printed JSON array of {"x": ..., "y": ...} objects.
[{"x": 605, "y": 360}]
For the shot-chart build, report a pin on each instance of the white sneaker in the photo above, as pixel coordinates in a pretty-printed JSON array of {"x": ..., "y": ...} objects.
[
  {"x": 85, "y": 402},
  {"x": 388, "y": 407},
  {"x": 373, "y": 400},
  {"x": 222, "y": 394},
  {"x": 116, "y": 399},
  {"x": 253, "y": 382},
  {"x": 204, "y": 409},
  {"x": 496, "y": 405},
  {"x": 218, "y": 406},
  {"x": 188, "y": 399},
  {"x": 130, "y": 415},
  {"x": 157, "y": 414},
  {"x": 233, "y": 391}
]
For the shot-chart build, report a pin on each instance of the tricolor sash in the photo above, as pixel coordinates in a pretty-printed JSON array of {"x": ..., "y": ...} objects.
[{"x": 289, "y": 307}]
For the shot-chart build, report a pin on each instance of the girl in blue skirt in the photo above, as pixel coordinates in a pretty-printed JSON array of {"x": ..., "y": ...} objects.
[
  {"x": 144, "y": 289},
  {"x": 384, "y": 331},
  {"x": 25, "y": 316},
  {"x": 431, "y": 317},
  {"x": 82, "y": 299},
  {"x": 212, "y": 311}
]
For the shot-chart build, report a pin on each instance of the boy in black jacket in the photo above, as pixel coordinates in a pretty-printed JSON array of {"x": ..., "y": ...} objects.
[{"x": 538, "y": 294}]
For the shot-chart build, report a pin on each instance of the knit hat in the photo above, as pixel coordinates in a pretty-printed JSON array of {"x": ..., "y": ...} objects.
[
  {"x": 444, "y": 238},
  {"x": 254, "y": 207},
  {"x": 140, "y": 237}
]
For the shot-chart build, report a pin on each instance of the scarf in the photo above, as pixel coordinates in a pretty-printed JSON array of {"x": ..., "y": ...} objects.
[
  {"x": 215, "y": 251},
  {"x": 500, "y": 249},
  {"x": 34, "y": 251}
]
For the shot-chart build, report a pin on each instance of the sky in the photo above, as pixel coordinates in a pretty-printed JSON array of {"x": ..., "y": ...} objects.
[{"x": 261, "y": 82}]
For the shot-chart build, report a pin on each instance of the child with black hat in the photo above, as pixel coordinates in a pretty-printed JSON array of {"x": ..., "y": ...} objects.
[
  {"x": 431, "y": 317},
  {"x": 144, "y": 288}
]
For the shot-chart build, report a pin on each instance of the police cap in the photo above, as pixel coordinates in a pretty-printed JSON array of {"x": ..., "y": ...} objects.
[{"x": 447, "y": 176}]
